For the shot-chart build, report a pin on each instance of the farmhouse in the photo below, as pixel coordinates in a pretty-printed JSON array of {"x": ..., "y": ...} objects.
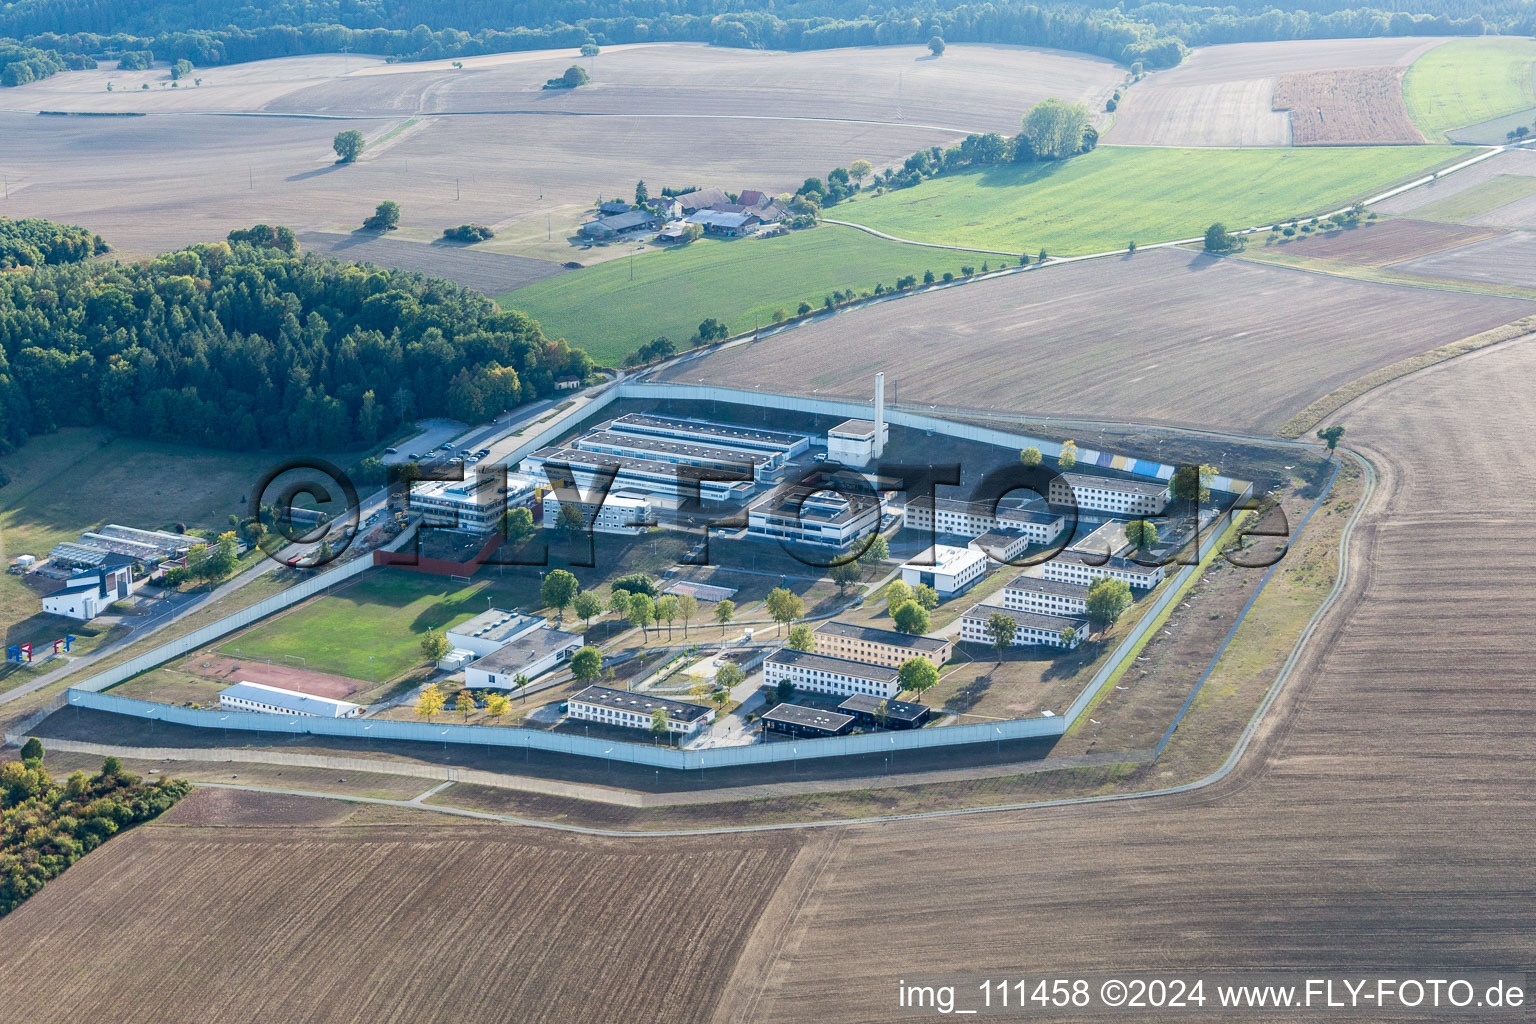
[
  {"x": 87, "y": 594},
  {"x": 1045, "y": 597},
  {"x": 802, "y": 722},
  {"x": 1036, "y": 523},
  {"x": 808, "y": 514},
  {"x": 949, "y": 570},
  {"x": 701, "y": 199},
  {"x": 632, "y": 710},
  {"x": 880, "y": 646},
  {"x": 532, "y": 653},
  {"x": 1074, "y": 567},
  {"x": 610, "y": 227},
  {"x": 1102, "y": 494},
  {"x": 625, "y": 513},
  {"x": 613, "y": 207},
  {"x": 273, "y": 700},
  {"x": 727, "y": 225},
  {"x": 885, "y": 714},
  {"x": 1030, "y": 628},
  {"x": 824, "y": 674}
]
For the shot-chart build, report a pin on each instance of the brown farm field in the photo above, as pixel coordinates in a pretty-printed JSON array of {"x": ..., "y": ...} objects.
[
  {"x": 1379, "y": 243},
  {"x": 1164, "y": 336},
  {"x": 1346, "y": 107},
  {"x": 1439, "y": 200},
  {"x": 486, "y": 144},
  {"x": 1509, "y": 258},
  {"x": 1225, "y": 95},
  {"x": 404, "y": 923}
]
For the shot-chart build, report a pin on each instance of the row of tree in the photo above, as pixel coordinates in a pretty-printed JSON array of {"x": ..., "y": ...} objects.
[
  {"x": 45, "y": 826},
  {"x": 249, "y": 346}
]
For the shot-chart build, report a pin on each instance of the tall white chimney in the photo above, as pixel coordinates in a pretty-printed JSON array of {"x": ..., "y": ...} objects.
[{"x": 879, "y": 414}]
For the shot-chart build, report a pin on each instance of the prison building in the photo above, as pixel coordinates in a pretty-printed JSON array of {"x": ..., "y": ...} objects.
[
  {"x": 733, "y": 461},
  {"x": 1033, "y": 520},
  {"x": 876, "y": 713},
  {"x": 822, "y": 673},
  {"x": 1102, "y": 494},
  {"x": 946, "y": 569},
  {"x": 625, "y": 512},
  {"x": 472, "y": 505},
  {"x": 1045, "y": 597},
  {"x": 532, "y": 653},
  {"x": 814, "y": 516},
  {"x": 492, "y": 630},
  {"x": 783, "y": 445},
  {"x": 799, "y": 722},
  {"x": 273, "y": 700},
  {"x": 1106, "y": 541},
  {"x": 880, "y": 646},
  {"x": 1030, "y": 628},
  {"x": 1074, "y": 567},
  {"x": 854, "y": 442},
  {"x": 1000, "y": 545},
  {"x": 668, "y": 483},
  {"x": 630, "y": 710}
]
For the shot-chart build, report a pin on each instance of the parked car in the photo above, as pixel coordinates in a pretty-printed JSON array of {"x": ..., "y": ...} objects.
[
  {"x": 446, "y": 445},
  {"x": 391, "y": 451},
  {"x": 483, "y": 452},
  {"x": 414, "y": 456}
]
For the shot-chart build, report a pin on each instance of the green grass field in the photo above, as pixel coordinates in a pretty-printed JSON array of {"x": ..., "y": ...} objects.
[
  {"x": 1467, "y": 81},
  {"x": 1500, "y": 190},
  {"x": 1102, "y": 200},
  {"x": 738, "y": 281}
]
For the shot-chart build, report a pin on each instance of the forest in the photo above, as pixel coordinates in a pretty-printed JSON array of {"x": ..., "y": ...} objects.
[
  {"x": 45, "y": 825},
  {"x": 1156, "y": 33},
  {"x": 241, "y": 345},
  {"x": 34, "y": 242}
]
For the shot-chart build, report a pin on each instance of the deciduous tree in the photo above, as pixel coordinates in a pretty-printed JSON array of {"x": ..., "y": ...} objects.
[
  {"x": 801, "y": 638},
  {"x": 429, "y": 702},
  {"x": 587, "y": 664},
  {"x": 917, "y": 675},
  {"x": 1108, "y": 598},
  {"x": 725, "y": 611},
  {"x": 910, "y": 617},
  {"x": 348, "y": 145},
  {"x": 558, "y": 590},
  {"x": 434, "y": 645},
  {"x": 1001, "y": 630}
]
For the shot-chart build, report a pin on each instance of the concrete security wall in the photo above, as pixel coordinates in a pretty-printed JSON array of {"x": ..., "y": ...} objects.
[{"x": 565, "y": 743}]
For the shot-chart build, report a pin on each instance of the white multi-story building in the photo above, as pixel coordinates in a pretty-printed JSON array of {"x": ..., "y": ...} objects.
[
  {"x": 854, "y": 442},
  {"x": 1045, "y": 597},
  {"x": 472, "y": 505},
  {"x": 1000, "y": 545},
  {"x": 630, "y": 710},
  {"x": 880, "y": 646},
  {"x": 1072, "y": 567},
  {"x": 1030, "y": 628},
  {"x": 625, "y": 512},
  {"x": 667, "y": 481},
  {"x": 949, "y": 570},
  {"x": 1102, "y": 494},
  {"x": 814, "y": 516},
  {"x": 821, "y": 673},
  {"x": 1036, "y": 523},
  {"x": 273, "y": 700}
]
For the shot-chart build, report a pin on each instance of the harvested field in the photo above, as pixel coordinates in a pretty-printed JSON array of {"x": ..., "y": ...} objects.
[
  {"x": 1225, "y": 95},
  {"x": 404, "y": 923},
  {"x": 1507, "y": 259},
  {"x": 1385, "y": 769},
  {"x": 1346, "y": 107},
  {"x": 1378, "y": 243},
  {"x": 489, "y": 272},
  {"x": 290, "y": 677},
  {"x": 1477, "y": 180},
  {"x": 243, "y": 807},
  {"x": 185, "y": 174},
  {"x": 1039, "y": 342}
]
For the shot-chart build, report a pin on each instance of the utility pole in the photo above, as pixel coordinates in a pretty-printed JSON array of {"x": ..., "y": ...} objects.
[
  {"x": 898, "y": 95},
  {"x": 251, "y": 172},
  {"x": 548, "y": 220},
  {"x": 455, "y": 189}
]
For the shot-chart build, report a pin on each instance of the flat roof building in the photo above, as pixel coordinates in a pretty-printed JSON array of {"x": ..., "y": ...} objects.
[
  {"x": 680, "y": 453},
  {"x": 491, "y": 630},
  {"x": 273, "y": 700},
  {"x": 949, "y": 570},
  {"x": 725, "y": 435},
  {"x": 1103, "y": 494},
  {"x": 822, "y": 673},
  {"x": 885, "y": 714},
  {"x": 630, "y": 710},
  {"x": 801, "y": 722},
  {"x": 853, "y": 442},
  {"x": 1045, "y": 597},
  {"x": 1075, "y": 567},
  {"x": 880, "y": 646},
  {"x": 472, "y": 505},
  {"x": 1039, "y": 524},
  {"x": 531, "y": 654},
  {"x": 624, "y": 512},
  {"x": 1030, "y": 628},
  {"x": 807, "y": 514},
  {"x": 668, "y": 480}
]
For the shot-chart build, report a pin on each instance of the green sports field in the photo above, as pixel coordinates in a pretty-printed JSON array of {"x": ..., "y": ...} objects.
[
  {"x": 1468, "y": 81},
  {"x": 738, "y": 281},
  {"x": 1102, "y": 200}
]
